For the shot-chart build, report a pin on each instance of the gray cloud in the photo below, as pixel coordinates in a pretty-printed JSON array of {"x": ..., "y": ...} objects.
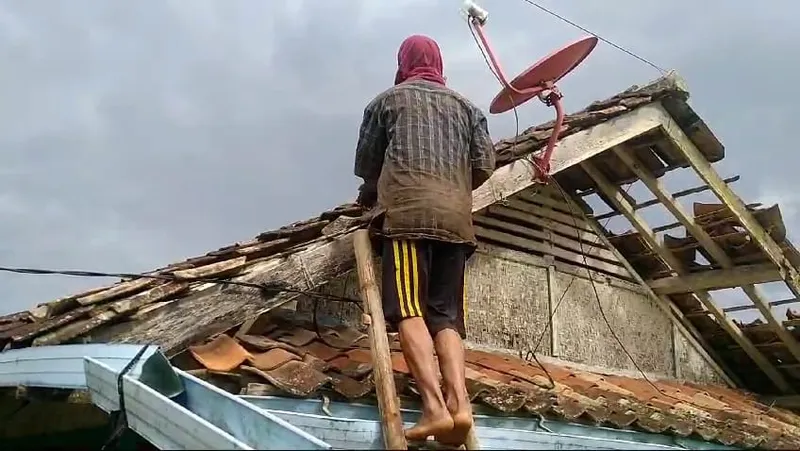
[{"x": 134, "y": 134}]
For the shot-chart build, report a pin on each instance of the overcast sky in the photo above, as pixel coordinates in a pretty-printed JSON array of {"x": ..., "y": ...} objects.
[{"x": 138, "y": 133}]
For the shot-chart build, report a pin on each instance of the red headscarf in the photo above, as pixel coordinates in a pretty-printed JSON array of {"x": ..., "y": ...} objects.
[{"x": 419, "y": 58}]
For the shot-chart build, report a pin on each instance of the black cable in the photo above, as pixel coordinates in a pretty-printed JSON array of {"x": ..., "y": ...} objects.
[
  {"x": 267, "y": 288},
  {"x": 585, "y": 30},
  {"x": 122, "y": 414}
]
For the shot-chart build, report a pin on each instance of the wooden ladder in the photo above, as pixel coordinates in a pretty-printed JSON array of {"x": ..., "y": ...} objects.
[{"x": 388, "y": 401}]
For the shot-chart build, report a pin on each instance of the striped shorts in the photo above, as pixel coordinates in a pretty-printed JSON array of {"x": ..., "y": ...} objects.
[{"x": 425, "y": 278}]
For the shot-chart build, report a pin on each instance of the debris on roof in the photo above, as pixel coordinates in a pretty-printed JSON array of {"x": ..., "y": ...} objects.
[{"x": 289, "y": 359}]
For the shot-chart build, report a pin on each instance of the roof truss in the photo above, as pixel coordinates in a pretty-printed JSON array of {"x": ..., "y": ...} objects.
[{"x": 695, "y": 285}]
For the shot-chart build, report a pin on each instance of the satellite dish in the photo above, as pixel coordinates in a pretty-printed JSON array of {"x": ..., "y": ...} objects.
[{"x": 539, "y": 80}]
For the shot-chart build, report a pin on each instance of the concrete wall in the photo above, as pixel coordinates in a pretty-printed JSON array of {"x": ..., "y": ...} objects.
[{"x": 510, "y": 297}]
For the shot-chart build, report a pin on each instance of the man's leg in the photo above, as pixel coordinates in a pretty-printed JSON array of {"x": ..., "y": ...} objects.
[
  {"x": 446, "y": 321},
  {"x": 404, "y": 280}
]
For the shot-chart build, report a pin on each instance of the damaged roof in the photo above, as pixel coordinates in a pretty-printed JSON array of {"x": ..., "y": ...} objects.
[
  {"x": 291, "y": 359},
  {"x": 90, "y": 315},
  {"x": 285, "y": 356}
]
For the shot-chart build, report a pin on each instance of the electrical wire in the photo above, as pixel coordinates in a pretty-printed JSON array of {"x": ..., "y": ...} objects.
[
  {"x": 585, "y": 30},
  {"x": 267, "y": 288}
]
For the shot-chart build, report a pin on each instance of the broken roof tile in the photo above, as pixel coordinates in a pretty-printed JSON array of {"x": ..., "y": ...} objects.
[
  {"x": 351, "y": 388},
  {"x": 298, "y": 337},
  {"x": 294, "y": 378},
  {"x": 272, "y": 359},
  {"x": 350, "y": 367},
  {"x": 322, "y": 350},
  {"x": 316, "y": 363},
  {"x": 222, "y": 353}
]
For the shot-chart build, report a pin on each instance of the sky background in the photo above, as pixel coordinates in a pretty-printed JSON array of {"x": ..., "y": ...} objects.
[{"x": 135, "y": 134}]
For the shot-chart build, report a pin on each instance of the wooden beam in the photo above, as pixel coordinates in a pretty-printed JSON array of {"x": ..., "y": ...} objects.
[
  {"x": 742, "y": 308},
  {"x": 534, "y": 246},
  {"x": 681, "y": 323},
  {"x": 614, "y": 194},
  {"x": 676, "y": 224},
  {"x": 716, "y": 279},
  {"x": 715, "y": 250},
  {"x": 703, "y": 168},
  {"x": 546, "y": 236},
  {"x": 675, "y": 195},
  {"x": 547, "y": 224},
  {"x": 547, "y": 213},
  {"x": 518, "y": 175},
  {"x": 388, "y": 402}
]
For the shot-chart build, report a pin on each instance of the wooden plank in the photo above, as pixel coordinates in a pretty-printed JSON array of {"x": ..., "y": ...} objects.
[
  {"x": 214, "y": 308},
  {"x": 548, "y": 237},
  {"x": 545, "y": 200},
  {"x": 703, "y": 168},
  {"x": 388, "y": 402},
  {"x": 706, "y": 241},
  {"x": 718, "y": 279},
  {"x": 547, "y": 213},
  {"x": 530, "y": 245},
  {"x": 682, "y": 324},
  {"x": 518, "y": 175},
  {"x": 121, "y": 289},
  {"x": 675, "y": 195},
  {"x": 742, "y": 308},
  {"x": 614, "y": 195},
  {"x": 218, "y": 269},
  {"x": 548, "y": 224}
]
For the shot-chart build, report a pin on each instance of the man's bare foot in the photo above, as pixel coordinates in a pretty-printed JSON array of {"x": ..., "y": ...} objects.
[
  {"x": 430, "y": 425},
  {"x": 462, "y": 423}
]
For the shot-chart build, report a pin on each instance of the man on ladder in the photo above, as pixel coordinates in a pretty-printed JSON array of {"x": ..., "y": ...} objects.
[{"x": 422, "y": 149}]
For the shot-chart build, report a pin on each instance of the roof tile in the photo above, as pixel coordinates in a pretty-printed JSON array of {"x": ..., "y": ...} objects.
[
  {"x": 298, "y": 337},
  {"x": 300, "y": 363},
  {"x": 222, "y": 353},
  {"x": 322, "y": 350},
  {"x": 293, "y": 377},
  {"x": 351, "y": 388},
  {"x": 272, "y": 359}
]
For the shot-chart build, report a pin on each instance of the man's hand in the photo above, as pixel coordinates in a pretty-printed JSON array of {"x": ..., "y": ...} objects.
[{"x": 367, "y": 195}]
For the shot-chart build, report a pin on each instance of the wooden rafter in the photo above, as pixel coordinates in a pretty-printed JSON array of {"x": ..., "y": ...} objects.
[
  {"x": 715, "y": 279},
  {"x": 675, "y": 195},
  {"x": 614, "y": 194},
  {"x": 731, "y": 275},
  {"x": 703, "y": 168}
]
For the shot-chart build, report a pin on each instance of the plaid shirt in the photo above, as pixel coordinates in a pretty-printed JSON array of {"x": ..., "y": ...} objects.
[{"x": 424, "y": 148}]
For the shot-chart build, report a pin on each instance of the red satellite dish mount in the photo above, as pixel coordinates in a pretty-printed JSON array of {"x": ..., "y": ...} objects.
[{"x": 539, "y": 80}]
